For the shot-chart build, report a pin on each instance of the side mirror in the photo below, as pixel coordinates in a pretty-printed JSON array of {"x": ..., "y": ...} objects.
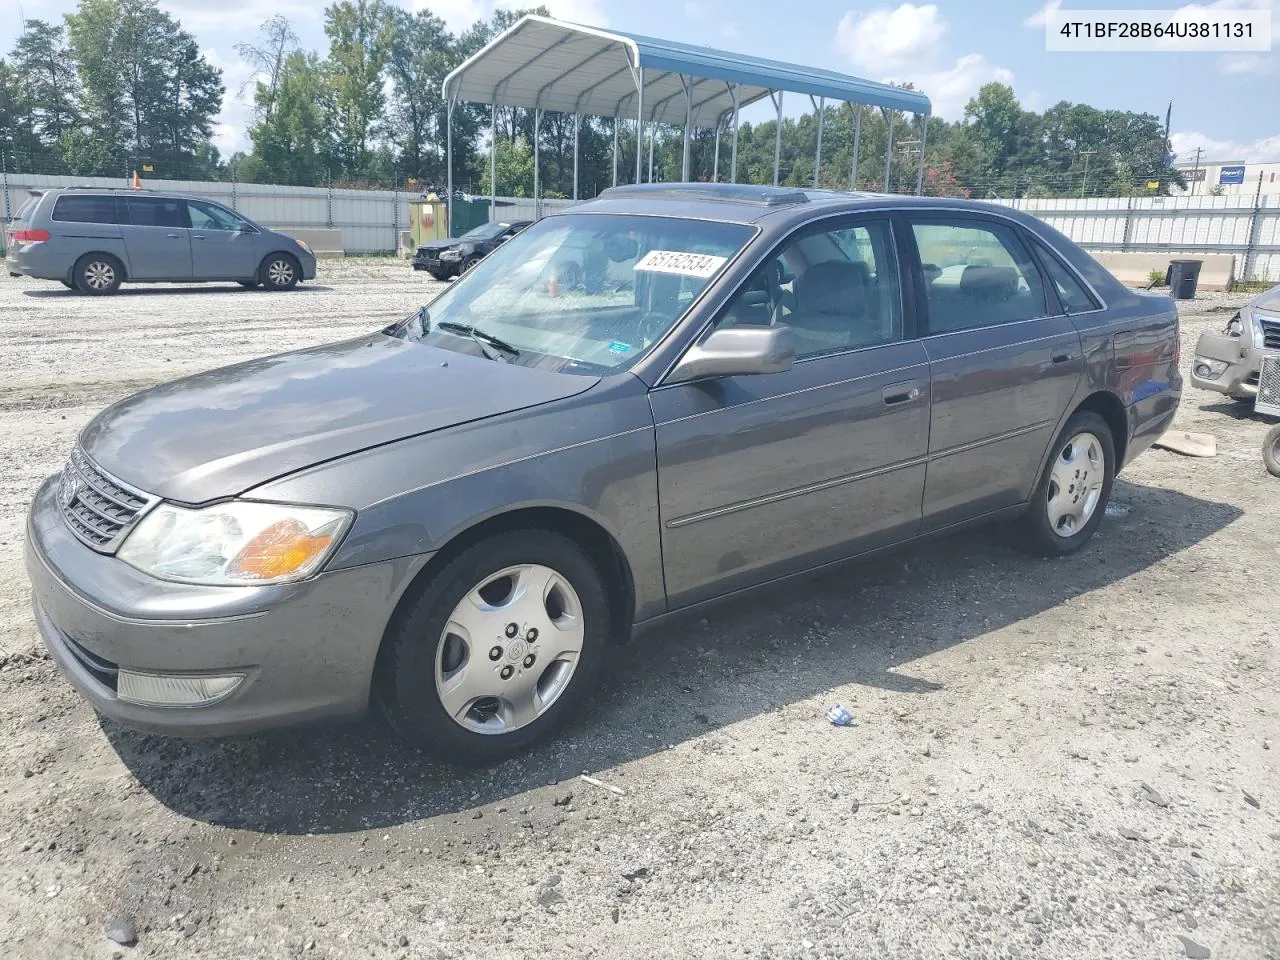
[{"x": 737, "y": 351}]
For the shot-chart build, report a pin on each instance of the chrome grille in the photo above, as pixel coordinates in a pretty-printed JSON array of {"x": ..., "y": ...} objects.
[
  {"x": 1268, "y": 401},
  {"x": 98, "y": 508},
  {"x": 1270, "y": 333}
]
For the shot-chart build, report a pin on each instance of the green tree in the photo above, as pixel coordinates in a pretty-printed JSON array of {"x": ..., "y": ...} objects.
[
  {"x": 417, "y": 61},
  {"x": 360, "y": 34},
  {"x": 290, "y": 136},
  {"x": 147, "y": 92},
  {"x": 267, "y": 57},
  {"x": 49, "y": 79}
]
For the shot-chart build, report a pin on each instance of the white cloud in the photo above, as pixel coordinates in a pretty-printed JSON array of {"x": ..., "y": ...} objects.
[
  {"x": 950, "y": 89},
  {"x": 236, "y": 17},
  {"x": 887, "y": 39},
  {"x": 458, "y": 15},
  {"x": 905, "y": 43},
  {"x": 1255, "y": 64},
  {"x": 1265, "y": 150},
  {"x": 1038, "y": 19}
]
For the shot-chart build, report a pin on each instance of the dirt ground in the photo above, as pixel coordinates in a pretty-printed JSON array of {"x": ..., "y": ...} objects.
[{"x": 989, "y": 801}]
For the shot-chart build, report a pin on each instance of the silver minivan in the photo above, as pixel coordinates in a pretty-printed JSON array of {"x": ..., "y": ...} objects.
[{"x": 94, "y": 239}]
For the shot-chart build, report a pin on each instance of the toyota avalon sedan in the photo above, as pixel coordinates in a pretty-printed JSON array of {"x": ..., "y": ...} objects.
[{"x": 453, "y": 518}]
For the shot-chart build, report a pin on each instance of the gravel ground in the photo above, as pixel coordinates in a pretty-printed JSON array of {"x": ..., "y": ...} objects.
[{"x": 989, "y": 802}]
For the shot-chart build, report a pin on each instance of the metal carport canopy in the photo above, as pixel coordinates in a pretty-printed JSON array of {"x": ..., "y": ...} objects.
[
  {"x": 540, "y": 63},
  {"x": 543, "y": 64}
]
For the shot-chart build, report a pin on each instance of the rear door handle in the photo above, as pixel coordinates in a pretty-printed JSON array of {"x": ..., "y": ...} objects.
[
  {"x": 172, "y": 236},
  {"x": 903, "y": 392}
]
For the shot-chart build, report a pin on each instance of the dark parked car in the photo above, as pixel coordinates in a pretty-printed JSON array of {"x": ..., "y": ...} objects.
[
  {"x": 92, "y": 240},
  {"x": 455, "y": 517},
  {"x": 449, "y": 258}
]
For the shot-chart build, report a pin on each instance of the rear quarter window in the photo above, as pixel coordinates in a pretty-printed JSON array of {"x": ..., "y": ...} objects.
[
  {"x": 25, "y": 211},
  {"x": 76, "y": 208}
]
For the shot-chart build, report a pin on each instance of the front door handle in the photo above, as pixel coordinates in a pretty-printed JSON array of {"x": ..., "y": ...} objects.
[
  {"x": 1061, "y": 357},
  {"x": 173, "y": 236},
  {"x": 903, "y": 392},
  {"x": 197, "y": 236}
]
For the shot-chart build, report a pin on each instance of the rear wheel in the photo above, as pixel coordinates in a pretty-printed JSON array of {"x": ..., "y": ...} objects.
[
  {"x": 499, "y": 648},
  {"x": 280, "y": 271},
  {"x": 1072, "y": 495},
  {"x": 1271, "y": 451},
  {"x": 98, "y": 274}
]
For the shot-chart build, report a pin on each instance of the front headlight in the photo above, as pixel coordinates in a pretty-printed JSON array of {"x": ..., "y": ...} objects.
[
  {"x": 1259, "y": 336},
  {"x": 451, "y": 255},
  {"x": 304, "y": 245},
  {"x": 237, "y": 543}
]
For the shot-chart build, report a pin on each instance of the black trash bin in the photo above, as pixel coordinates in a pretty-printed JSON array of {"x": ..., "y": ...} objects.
[{"x": 1183, "y": 276}]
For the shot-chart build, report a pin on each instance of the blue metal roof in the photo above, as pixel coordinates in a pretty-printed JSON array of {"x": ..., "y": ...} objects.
[
  {"x": 541, "y": 62},
  {"x": 715, "y": 64}
]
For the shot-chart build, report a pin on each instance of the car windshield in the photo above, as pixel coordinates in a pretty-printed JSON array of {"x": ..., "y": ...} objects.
[
  {"x": 580, "y": 293},
  {"x": 484, "y": 232}
]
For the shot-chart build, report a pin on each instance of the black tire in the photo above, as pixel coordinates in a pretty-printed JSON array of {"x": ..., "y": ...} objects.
[
  {"x": 249, "y": 284},
  {"x": 1038, "y": 533},
  {"x": 470, "y": 262},
  {"x": 98, "y": 274},
  {"x": 405, "y": 687},
  {"x": 280, "y": 271},
  {"x": 1271, "y": 451},
  {"x": 68, "y": 284}
]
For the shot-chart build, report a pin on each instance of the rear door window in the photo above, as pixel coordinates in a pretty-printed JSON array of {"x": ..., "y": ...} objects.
[
  {"x": 157, "y": 212},
  {"x": 82, "y": 208},
  {"x": 977, "y": 274}
]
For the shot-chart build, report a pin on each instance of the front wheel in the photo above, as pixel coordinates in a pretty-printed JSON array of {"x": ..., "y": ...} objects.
[
  {"x": 1072, "y": 495},
  {"x": 280, "y": 272},
  {"x": 1271, "y": 451},
  {"x": 470, "y": 262},
  {"x": 498, "y": 649}
]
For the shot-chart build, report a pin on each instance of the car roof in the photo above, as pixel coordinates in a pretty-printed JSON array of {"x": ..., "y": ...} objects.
[
  {"x": 746, "y": 203},
  {"x": 129, "y": 191}
]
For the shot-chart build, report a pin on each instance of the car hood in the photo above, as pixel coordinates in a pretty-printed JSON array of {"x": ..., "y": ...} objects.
[
  {"x": 219, "y": 433},
  {"x": 1268, "y": 302}
]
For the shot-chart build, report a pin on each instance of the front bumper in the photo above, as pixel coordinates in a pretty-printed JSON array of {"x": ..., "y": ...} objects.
[
  {"x": 306, "y": 650},
  {"x": 1243, "y": 360}
]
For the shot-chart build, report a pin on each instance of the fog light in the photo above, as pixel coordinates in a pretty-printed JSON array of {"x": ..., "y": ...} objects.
[
  {"x": 1207, "y": 369},
  {"x": 157, "y": 691}
]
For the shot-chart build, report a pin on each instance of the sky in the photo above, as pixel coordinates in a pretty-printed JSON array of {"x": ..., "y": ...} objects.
[{"x": 1224, "y": 103}]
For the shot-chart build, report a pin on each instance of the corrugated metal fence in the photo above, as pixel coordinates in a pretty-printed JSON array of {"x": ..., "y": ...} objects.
[
  {"x": 370, "y": 220},
  {"x": 1248, "y": 229}
]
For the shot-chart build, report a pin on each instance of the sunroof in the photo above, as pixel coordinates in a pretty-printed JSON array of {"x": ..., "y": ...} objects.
[{"x": 724, "y": 192}]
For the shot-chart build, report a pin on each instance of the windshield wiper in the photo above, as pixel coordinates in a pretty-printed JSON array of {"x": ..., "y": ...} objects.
[{"x": 479, "y": 336}]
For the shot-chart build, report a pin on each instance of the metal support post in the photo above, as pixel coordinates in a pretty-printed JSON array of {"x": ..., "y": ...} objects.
[
  {"x": 820, "y": 109},
  {"x": 857, "y": 145},
  {"x": 777, "y": 139}
]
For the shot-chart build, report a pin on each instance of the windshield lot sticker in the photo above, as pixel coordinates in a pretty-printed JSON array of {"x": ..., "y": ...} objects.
[
  {"x": 619, "y": 347},
  {"x": 686, "y": 264}
]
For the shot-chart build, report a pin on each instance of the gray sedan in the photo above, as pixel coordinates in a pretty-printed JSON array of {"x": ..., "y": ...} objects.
[{"x": 453, "y": 518}]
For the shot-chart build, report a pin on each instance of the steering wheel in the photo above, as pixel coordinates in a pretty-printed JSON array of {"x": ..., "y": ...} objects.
[{"x": 651, "y": 327}]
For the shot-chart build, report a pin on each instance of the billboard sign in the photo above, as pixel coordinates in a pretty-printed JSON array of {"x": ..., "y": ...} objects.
[{"x": 1231, "y": 175}]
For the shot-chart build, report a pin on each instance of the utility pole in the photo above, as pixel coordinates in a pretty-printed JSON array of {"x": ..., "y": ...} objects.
[
  {"x": 1195, "y": 171},
  {"x": 1085, "y": 182}
]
